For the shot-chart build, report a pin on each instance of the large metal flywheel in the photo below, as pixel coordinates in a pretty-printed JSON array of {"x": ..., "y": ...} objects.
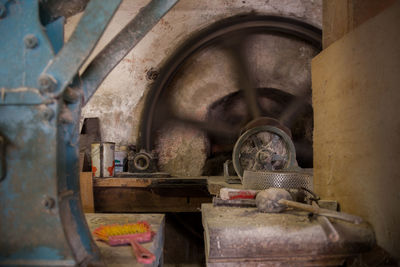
[{"x": 251, "y": 100}]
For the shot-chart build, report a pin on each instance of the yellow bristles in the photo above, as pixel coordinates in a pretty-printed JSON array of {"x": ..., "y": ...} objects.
[{"x": 104, "y": 232}]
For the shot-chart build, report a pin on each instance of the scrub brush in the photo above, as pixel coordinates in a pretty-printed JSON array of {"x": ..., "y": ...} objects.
[{"x": 131, "y": 233}]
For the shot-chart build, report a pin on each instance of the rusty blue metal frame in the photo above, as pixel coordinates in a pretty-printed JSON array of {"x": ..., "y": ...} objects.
[
  {"x": 41, "y": 218},
  {"x": 42, "y": 222},
  {"x": 21, "y": 65},
  {"x": 66, "y": 64}
]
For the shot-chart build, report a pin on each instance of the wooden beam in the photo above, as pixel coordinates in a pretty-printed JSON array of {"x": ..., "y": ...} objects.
[
  {"x": 86, "y": 184},
  {"x": 342, "y": 16},
  {"x": 121, "y": 182}
]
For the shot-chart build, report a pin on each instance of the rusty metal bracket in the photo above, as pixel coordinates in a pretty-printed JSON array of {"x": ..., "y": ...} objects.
[{"x": 61, "y": 70}]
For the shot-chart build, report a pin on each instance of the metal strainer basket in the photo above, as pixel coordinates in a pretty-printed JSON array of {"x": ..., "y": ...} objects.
[{"x": 281, "y": 179}]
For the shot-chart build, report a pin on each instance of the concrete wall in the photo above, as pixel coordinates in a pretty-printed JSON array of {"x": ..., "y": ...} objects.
[
  {"x": 356, "y": 97},
  {"x": 118, "y": 101}
]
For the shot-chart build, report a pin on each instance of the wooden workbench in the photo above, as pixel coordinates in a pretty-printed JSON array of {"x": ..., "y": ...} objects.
[
  {"x": 173, "y": 194},
  {"x": 122, "y": 256}
]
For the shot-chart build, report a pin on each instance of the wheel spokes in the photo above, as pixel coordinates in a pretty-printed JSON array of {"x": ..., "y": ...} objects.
[
  {"x": 256, "y": 141},
  {"x": 294, "y": 109},
  {"x": 214, "y": 128},
  {"x": 244, "y": 81}
]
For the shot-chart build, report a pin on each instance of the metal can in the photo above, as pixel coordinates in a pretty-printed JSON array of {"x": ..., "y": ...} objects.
[
  {"x": 102, "y": 154},
  {"x": 121, "y": 154}
]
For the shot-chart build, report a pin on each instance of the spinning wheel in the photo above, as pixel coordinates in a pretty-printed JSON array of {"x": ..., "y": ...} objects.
[{"x": 245, "y": 104}]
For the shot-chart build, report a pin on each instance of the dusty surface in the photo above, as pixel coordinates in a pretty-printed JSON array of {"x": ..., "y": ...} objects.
[
  {"x": 244, "y": 233},
  {"x": 356, "y": 136}
]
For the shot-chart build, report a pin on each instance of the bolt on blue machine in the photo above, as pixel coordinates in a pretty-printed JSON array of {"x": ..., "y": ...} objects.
[{"x": 41, "y": 95}]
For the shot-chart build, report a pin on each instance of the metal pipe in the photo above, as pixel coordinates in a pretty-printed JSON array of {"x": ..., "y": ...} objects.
[
  {"x": 122, "y": 43},
  {"x": 327, "y": 226},
  {"x": 323, "y": 212}
]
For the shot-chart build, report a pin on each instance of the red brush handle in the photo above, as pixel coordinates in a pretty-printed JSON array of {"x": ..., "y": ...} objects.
[{"x": 142, "y": 255}]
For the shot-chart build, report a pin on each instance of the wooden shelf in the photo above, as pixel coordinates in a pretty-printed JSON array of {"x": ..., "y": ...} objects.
[
  {"x": 172, "y": 194},
  {"x": 210, "y": 181},
  {"x": 121, "y": 182}
]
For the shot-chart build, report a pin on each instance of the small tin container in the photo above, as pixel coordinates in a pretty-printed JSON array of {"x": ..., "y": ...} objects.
[
  {"x": 121, "y": 155},
  {"x": 102, "y": 154}
]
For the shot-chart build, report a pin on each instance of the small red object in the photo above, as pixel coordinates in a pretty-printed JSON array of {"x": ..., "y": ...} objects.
[{"x": 230, "y": 193}]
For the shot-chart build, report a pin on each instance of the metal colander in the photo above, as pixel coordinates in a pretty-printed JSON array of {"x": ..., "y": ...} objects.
[{"x": 282, "y": 179}]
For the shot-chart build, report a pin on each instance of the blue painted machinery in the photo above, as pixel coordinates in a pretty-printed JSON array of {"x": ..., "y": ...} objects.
[{"x": 41, "y": 95}]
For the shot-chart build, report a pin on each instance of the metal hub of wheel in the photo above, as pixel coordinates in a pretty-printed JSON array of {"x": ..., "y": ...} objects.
[
  {"x": 263, "y": 148},
  {"x": 279, "y": 105}
]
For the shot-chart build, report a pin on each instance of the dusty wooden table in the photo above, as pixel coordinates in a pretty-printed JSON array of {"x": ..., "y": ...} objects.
[{"x": 123, "y": 255}]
